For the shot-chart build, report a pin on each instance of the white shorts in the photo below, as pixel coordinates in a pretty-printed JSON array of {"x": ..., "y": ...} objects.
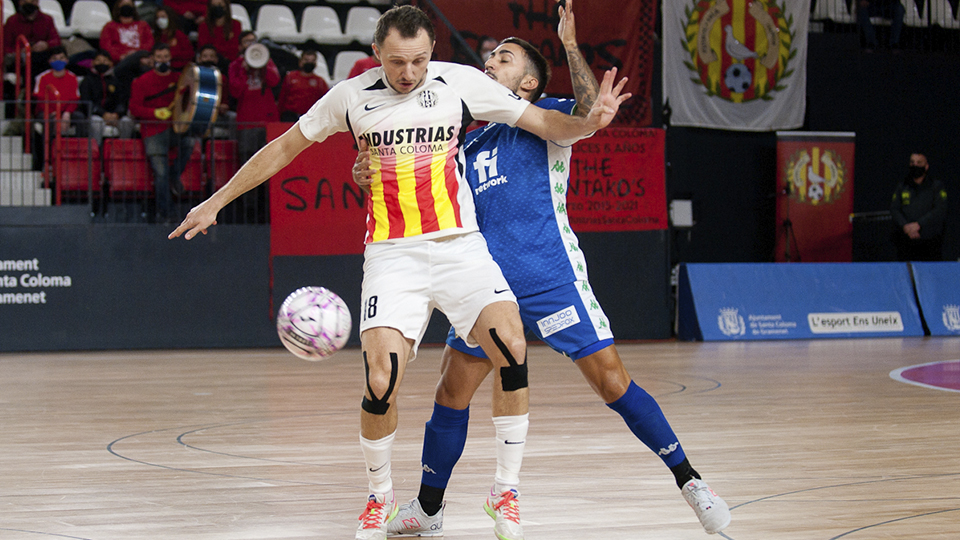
[{"x": 403, "y": 282}]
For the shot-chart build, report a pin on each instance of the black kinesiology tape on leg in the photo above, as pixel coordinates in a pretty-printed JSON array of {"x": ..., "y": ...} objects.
[
  {"x": 514, "y": 376},
  {"x": 377, "y": 405}
]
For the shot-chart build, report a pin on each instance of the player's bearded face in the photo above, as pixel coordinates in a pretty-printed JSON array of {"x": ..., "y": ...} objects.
[
  {"x": 404, "y": 60},
  {"x": 507, "y": 66}
]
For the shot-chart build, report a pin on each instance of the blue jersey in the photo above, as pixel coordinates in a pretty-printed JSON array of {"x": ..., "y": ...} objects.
[{"x": 519, "y": 183}]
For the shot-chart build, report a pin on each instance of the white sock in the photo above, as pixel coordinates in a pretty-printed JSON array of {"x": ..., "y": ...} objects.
[
  {"x": 511, "y": 439},
  {"x": 377, "y": 454}
]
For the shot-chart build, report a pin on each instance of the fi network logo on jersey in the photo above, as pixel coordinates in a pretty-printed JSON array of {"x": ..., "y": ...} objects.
[{"x": 486, "y": 167}]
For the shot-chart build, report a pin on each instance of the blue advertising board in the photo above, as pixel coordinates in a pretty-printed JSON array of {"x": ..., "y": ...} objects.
[
  {"x": 796, "y": 301},
  {"x": 938, "y": 288}
]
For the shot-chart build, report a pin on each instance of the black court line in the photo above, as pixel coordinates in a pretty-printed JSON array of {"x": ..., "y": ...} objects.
[
  {"x": 894, "y": 521},
  {"x": 180, "y": 469},
  {"x": 240, "y": 456},
  {"x": 852, "y": 531}
]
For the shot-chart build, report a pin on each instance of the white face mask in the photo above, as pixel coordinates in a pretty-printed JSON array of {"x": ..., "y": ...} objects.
[{"x": 163, "y": 23}]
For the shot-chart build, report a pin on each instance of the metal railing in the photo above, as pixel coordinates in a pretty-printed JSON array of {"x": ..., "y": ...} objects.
[
  {"x": 923, "y": 25},
  {"x": 115, "y": 179}
]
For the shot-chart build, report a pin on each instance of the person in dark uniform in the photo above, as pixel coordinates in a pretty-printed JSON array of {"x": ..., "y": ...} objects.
[{"x": 919, "y": 210}]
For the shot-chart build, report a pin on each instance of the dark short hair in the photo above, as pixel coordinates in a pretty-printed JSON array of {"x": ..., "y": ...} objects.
[
  {"x": 101, "y": 52},
  {"x": 56, "y": 50},
  {"x": 308, "y": 52},
  {"x": 408, "y": 20},
  {"x": 115, "y": 12},
  {"x": 208, "y": 46},
  {"x": 159, "y": 47},
  {"x": 246, "y": 33},
  {"x": 536, "y": 65}
]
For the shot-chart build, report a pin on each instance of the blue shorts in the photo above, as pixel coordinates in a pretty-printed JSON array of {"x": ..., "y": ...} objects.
[{"x": 568, "y": 319}]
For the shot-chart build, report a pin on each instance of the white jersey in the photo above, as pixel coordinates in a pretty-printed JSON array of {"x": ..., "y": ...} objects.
[{"x": 415, "y": 139}]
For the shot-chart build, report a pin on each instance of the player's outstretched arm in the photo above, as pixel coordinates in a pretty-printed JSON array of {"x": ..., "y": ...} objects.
[
  {"x": 553, "y": 125},
  {"x": 585, "y": 86},
  {"x": 268, "y": 161}
]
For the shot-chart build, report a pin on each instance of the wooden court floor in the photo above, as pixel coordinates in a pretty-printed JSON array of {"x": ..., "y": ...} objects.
[{"x": 806, "y": 440}]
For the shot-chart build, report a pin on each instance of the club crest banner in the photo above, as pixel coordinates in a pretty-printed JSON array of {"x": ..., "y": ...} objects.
[
  {"x": 736, "y": 64},
  {"x": 815, "y": 172}
]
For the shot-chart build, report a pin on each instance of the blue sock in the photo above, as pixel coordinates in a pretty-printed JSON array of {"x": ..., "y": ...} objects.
[
  {"x": 443, "y": 442},
  {"x": 645, "y": 419}
]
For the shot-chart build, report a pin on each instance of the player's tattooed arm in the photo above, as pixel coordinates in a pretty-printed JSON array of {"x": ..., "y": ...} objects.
[{"x": 585, "y": 87}]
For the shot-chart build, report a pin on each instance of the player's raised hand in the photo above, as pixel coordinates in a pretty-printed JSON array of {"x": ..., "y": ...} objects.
[
  {"x": 567, "y": 30},
  {"x": 198, "y": 220},
  {"x": 609, "y": 100}
]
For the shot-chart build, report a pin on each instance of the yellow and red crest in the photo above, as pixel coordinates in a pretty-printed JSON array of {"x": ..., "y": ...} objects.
[
  {"x": 739, "y": 49},
  {"x": 815, "y": 175}
]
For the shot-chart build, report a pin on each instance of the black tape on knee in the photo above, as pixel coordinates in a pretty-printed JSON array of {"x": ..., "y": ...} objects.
[
  {"x": 375, "y": 405},
  {"x": 514, "y": 376}
]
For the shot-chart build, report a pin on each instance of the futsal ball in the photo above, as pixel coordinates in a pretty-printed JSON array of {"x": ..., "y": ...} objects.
[
  {"x": 313, "y": 323},
  {"x": 738, "y": 78}
]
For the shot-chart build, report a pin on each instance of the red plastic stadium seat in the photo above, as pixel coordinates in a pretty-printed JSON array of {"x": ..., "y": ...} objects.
[
  {"x": 192, "y": 177},
  {"x": 225, "y": 161},
  {"x": 81, "y": 167},
  {"x": 125, "y": 166}
]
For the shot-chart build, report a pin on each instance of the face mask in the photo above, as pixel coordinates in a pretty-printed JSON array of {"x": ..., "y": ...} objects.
[
  {"x": 28, "y": 9},
  {"x": 917, "y": 171},
  {"x": 218, "y": 12},
  {"x": 309, "y": 67},
  {"x": 163, "y": 67},
  {"x": 58, "y": 65},
  {"x": 102, "y": 68},
  {"x": 163, "y": 23},
  {"x": 128, "y": 11}
]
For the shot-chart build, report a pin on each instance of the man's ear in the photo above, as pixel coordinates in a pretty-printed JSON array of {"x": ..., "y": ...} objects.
[{"x": 529, "y": 83}]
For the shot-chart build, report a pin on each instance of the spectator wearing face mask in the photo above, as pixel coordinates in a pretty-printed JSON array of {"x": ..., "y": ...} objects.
[
  {"x": 69, "y": 94},
  {"x": 64, "y": 81},
  {"x": 126, "y": 33},
  {"x": 103, "y": 103},
  {"x": 37, "y": 27},
  {"x": 221, "y": 30},
  {"x": 151, "y": 102},
  {"x": 166, "y": 29},
  {"x": 301, "y": 88}
]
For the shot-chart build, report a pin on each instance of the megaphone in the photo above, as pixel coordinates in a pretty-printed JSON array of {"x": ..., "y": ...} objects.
[{"x": 257, "y": 55}]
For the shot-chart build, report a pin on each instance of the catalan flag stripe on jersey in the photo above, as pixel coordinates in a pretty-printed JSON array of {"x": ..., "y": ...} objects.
[{"x": 418, "y": 189}]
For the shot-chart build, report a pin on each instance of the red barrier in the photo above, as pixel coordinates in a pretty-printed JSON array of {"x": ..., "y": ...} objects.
[
  {"x": 49, "y": 91},
  {"x": 24, "y": 45}
]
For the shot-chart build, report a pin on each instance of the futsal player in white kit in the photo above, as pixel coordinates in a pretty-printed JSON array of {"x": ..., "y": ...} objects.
[
  {"x": 519, "y": 183},
  {"x": 423, "y": 245}
]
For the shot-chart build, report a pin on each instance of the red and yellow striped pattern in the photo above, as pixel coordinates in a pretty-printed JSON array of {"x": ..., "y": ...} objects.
[{"x": 413, "y": 194}]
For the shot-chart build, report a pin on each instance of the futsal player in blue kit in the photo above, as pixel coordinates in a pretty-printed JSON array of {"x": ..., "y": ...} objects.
[{"x": 519, "y": 184}]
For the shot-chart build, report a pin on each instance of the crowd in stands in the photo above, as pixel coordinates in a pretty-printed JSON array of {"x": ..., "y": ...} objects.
[{"x": 123, "y": 84}]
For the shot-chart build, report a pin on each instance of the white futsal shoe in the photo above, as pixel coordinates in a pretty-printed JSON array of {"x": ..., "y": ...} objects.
[
  {"x": 411, "y": 520},
  {"x": 712, "y": 511},
  {"x": 505, "y": 510},
  {"x": 381, "y": 509}
]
